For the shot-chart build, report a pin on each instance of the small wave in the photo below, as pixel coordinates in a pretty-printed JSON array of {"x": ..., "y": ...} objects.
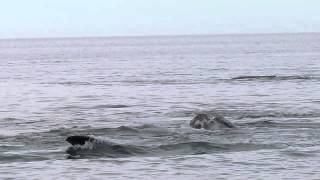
[
  {"x": 278, "y": 115},
  {"x": 169, "y": 82},
  {"x": 156, "y": 81},
  {"x": 70, "y": 83},
  {"x": 10, "y": 119},
  {"x": 192, "y": 148},
  {"x": 309, "y": 151},
  {"x": 108, "y": 106},
  {"x": 8, "y": 158},
  {"x": 286, "y": 125},
  {"x": 271, "y": 77},
  {"x": 267, "y": 123},
  {"x": 89, "y": 129},
  {"x": 300, "y": 154},
  {"x": 105, "y": 131},
  {"x": 102, "y": 106}
]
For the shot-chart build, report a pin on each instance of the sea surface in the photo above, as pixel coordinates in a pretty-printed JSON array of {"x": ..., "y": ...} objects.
[{"x": 141, "y": 93}]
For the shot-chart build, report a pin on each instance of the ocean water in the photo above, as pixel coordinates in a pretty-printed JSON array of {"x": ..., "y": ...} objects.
[{"x": 141, "y": 93}]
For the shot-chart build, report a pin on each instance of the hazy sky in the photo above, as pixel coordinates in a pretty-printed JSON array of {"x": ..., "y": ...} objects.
[{"x": 72, "y": 18}]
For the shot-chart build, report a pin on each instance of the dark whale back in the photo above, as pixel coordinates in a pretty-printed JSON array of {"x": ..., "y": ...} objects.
[
  {"x": 91, "y": 146},
  {"x": 79, "y": 140},
  {"x": 224, "y": 121},
  {"x": 204, "y": 121}
]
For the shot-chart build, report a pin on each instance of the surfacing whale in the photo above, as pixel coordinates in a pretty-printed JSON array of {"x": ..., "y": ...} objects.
[
  {"x": 90, "y": 146},
  {"x": 204, "y": 121},
  {"x": 87, "y": 145}
]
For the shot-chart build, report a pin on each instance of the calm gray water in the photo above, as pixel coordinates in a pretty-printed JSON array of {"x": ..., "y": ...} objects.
[{"x": 141, "y": 92}]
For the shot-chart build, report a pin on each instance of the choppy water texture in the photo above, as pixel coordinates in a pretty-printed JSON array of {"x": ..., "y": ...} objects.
[{"x": 141, "y": 93}]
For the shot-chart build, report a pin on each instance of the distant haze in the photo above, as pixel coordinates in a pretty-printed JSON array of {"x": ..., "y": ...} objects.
[{"x": 76, "y": 18}]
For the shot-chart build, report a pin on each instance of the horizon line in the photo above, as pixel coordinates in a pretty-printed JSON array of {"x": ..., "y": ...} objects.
[{"x": 156, "y": 35}]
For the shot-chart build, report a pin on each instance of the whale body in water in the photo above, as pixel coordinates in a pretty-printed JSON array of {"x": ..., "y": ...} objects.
[
  {"x": 87, "y": 145},
  {"x": 90, "y": 146},
  {"x": 203, "y": 121}
]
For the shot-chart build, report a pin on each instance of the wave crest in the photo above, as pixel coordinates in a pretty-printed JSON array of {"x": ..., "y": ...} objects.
[{"x": 272, "y": 77}]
